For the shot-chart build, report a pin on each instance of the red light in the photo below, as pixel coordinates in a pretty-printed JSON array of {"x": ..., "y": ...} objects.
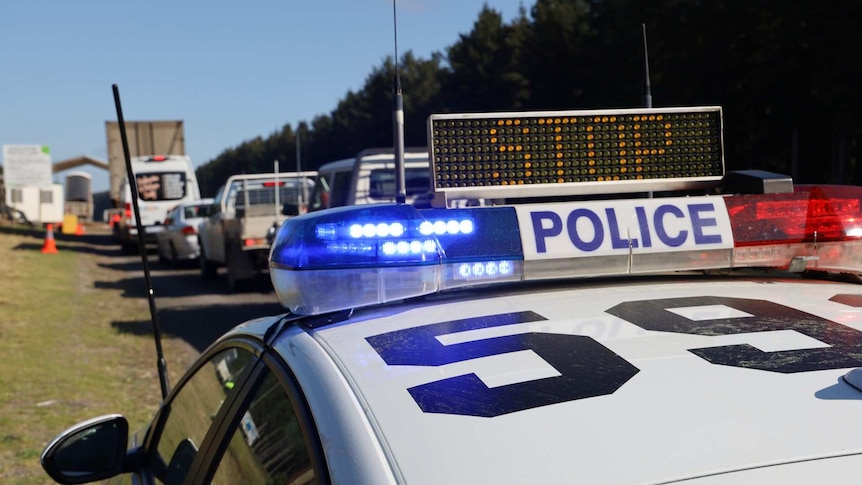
[
  {"x": 158, "y": 158},
  {"x": 812, "y": 213},
  {"x": 272, "y": 184},
  {"x": 128, "y": 210},
  {"x": 189, "y": 230}
]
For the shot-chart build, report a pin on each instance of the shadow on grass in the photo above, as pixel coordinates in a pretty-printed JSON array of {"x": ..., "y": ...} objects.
[
  {"x": 131, "y": 265},
  {"x": 99, "y": 244},
  {"x": 200, "y": 326},
  {"x": 20, "y": 230},
  {"x": 181, "y": 285}
]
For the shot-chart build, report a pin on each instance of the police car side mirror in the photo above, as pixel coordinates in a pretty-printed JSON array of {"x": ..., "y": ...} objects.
[{"x": 88, "y": 451}]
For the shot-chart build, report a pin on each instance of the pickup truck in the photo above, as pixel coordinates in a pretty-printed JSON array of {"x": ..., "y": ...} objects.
[{"x": 245, "y": 211}]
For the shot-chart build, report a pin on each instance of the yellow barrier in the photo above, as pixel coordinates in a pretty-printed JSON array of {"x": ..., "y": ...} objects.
[{"x": 70, "y": 223}]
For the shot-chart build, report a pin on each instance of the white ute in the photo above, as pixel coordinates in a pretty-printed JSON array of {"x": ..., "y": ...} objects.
[{"x": 235, "y": 235}]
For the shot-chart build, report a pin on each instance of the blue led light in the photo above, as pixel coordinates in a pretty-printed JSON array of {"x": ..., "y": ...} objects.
[
  {"x": 367, "y": 230},
  {"x": 381, "y": 229},
  {"x": 442, "y": 227},
  {"x": 349, "y": 248},
  {"x": 325, "y": 231},
  {"x": 411, "y": 247},
  {"x": 466, "y": 226},
  {"x": 358, "y": 236},
  {"x": 485, "y": 270}
]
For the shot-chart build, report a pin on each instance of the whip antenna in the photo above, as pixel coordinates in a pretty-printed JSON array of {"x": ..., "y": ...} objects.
[
  {"x": 647, "y": 96},
  {"x": 398, "y": 122},
  {"x": 133, "y": 185}
]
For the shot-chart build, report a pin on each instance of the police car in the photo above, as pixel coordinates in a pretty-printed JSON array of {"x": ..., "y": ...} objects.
[{"x": 627, "y": 312}]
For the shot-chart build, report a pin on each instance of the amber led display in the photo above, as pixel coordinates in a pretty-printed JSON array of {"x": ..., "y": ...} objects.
[{"x": 484, "y": 150}]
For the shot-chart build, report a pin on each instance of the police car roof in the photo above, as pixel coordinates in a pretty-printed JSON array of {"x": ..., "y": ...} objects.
[
  {"x": 602, "y": 340},
  {"x": 641, "y": 380}
]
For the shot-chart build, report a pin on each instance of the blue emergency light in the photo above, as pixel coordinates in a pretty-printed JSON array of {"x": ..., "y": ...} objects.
[{"x": 356, "y": 256}]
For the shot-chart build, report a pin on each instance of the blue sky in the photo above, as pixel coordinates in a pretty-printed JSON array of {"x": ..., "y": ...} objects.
[{"x": 231, "y": 70}]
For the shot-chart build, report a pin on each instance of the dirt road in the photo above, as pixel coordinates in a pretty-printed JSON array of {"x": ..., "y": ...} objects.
[{"x": 188, "y": 307}]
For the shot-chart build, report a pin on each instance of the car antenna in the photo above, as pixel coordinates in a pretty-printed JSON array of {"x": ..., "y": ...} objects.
[
  {"x": 646, "y": 99},
  {"x": 647, "y": 96},
  {"x": 300, "y": 194},
  {"x": 133, "y": 185},
  {"x": 398, "y": 122},
  {"x": 276, "y": 193}
]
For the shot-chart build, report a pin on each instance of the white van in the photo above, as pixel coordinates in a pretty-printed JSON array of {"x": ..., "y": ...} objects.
[
  {"x": 162, "y": 181},
  {"x": 370, "y": 178}
]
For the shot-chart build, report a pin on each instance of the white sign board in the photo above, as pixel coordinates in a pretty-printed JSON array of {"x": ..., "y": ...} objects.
[{"x": 27, "y": 165}]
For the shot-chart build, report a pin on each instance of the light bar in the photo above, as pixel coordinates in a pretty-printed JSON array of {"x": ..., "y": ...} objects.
[
  {"x": 529, "y": 154},
  {"x": 356, "y": 256},
  {"x": 361, "y": 255}
]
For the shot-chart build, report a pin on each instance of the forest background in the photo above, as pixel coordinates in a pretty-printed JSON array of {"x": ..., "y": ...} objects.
[{"x": 786, "y": 73}]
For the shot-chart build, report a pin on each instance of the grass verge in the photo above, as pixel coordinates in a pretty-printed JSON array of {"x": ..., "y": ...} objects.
[{"x": 63, "y": 359}]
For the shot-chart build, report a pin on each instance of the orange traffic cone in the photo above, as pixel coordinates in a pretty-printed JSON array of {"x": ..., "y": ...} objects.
[
  {"x": 79, "y": 230},
  {"x": 50, "y": 246}
]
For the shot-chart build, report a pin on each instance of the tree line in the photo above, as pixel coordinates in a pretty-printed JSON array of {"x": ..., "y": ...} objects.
[{"x": 784, "y": 71}]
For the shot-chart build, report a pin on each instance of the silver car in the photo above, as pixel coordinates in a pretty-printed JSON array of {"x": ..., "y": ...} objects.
[{"x": 179, "y": 240}]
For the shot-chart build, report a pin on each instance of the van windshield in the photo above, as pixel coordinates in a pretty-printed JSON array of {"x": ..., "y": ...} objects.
[
  {"x": 382, "y": 183},
  {"x": 161, "y": 185}
]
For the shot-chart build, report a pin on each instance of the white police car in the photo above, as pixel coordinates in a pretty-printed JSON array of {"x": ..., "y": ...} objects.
[{"x": 648, "y": 337}]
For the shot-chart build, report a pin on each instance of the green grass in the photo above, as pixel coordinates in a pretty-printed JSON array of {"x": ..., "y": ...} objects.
[{"x": 62, "y": 359}]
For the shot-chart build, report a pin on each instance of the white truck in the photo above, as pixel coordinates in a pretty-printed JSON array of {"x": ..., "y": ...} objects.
[
  {"x": 156, "y": 148},
  {"x": 245, "y": 213},
  {"x": 162, "y": 182},
  {"x": 145, "y": 138}
]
